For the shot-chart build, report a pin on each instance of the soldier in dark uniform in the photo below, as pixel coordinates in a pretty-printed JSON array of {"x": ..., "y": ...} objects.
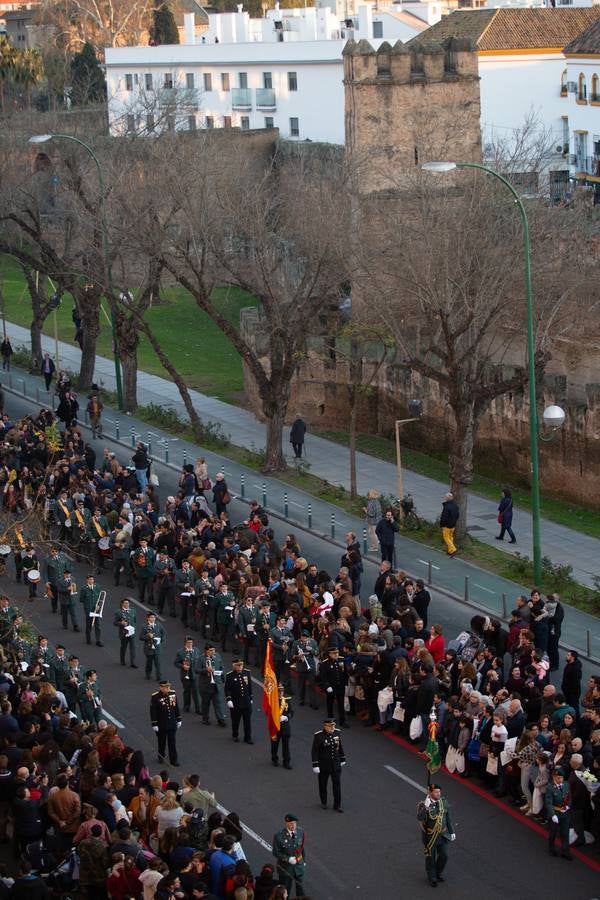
[
  {"x": 66, "y": 598},
  {"x": 282, "y": 639},
  {"x": 152, "y": 636},
  {"x": 184, "y": 588},
  {"x": 283, "y": 735},
  {"x": 187, "y": 661},
  {"x": 434, "y": 815},
  {"x": 305, "y": 653},
  {"x": 247, "y": 627},
  {"x": 72, "y": 681},
  {"x": 264, "y": 624},
  {"x": 334, "y": 679},
  {"x": 88, "y": 696},
  {"x": 120, "y": 542},
  {"x": 59, "y": 669},
  {"x": 211, "y": 683},
  {"x": 166, "y": 719},
  {"x": 143, "y": 566},
  {"x": 288, "y": 850},
  {"x": 204, "y": 590},
  {"x": 43, "y": 653},
  {"x": 88, "y": 597},
  {"x": 53, "y": 568},
  {"x": 327, "y": 760},
  {"x": 164, "y": 568},
  {"x": 125, "y": 619},
  {"x": 558, "y": 813},
  {"x": 238, "y": 691}
]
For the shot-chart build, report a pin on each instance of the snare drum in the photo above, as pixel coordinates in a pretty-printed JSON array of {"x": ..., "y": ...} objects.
[
  {"x": 104, "y": 546},
  {"x": 34, "y": 576}
]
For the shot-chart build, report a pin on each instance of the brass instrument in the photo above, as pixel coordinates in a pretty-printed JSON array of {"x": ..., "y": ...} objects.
[
  {"x": 73, "y": 587},
  {"x": 99, "y": 608}
]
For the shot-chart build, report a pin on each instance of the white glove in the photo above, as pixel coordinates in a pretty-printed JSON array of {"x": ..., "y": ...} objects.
[
  {"x": 230, "y": 704},
  {"x": 283, "y": 718},
  {"x": 179, "y": 724},
  {"x": 316, "y": 770},
  {"x": 330, "y": 690},
  {"x": 555, "y": 819},
  {"x": 155, "y": 728},
  {"x": 452, "y": 837},
  {"x": 292, "y": 860},
  {"x": 343, "y": 764},
  {"x": 427, "y": 802}
]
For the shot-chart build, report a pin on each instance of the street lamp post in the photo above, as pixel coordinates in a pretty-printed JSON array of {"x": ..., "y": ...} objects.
[
  {"x": 44, "y": 138},
  {"x": 441, "y": 168}
]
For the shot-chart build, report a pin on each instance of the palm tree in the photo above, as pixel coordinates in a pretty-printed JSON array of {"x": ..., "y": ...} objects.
[
  {"x": 29, "y": 70},
  {"x": 7, "y": 65}
]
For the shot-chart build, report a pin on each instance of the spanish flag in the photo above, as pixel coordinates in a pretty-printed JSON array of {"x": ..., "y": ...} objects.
[{"x": 270, "y": 700}]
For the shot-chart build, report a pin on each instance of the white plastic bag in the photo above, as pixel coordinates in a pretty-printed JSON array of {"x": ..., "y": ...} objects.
[{"x": 416, "y": 728}]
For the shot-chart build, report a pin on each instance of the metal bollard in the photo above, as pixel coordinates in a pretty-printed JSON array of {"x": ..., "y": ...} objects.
[
  {"x": 466, "y": 588},
  {"x": 167, "y": 452},
  {"x": 242, "y": 486},
  {"x": 429, "y": 572},
  {"x": 285, "y": 505},
  {"x": 310, "y": 516},
  {"x": 132, "y": 437},
  {"x": 118, "y": 430},
  {"x": 588, "y": 640},
  {"x": 264, "y": 493},
  {"x": 149, "y": 443},
  {"x": 332, "y": 526},
  {"x": 365, "y": 548},
  {"x": 185, "y": 457},
  {"x": 504, "y": 612}
]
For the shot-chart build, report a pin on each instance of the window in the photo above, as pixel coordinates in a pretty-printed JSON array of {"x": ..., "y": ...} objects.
[
  {"x": 269, "y": 122},
  {"x": 226, "y": 121},
  {"x": 210, "y": 122},
  {"x": 207, "y": 81},
  {"x": 581, "y": 89},
  {"x": 191, "y": 123},
  {"x": 130, "y": 124},
  {"x": 224, "y": 81},
  {"x": 267, "y": 81},
  {"x": 595, "y": 98},
  {"x": 150, "y": 122},
  {"x": 168, "y": 85},
  {"x": 563, "y": 83},
  {"x": 189, "y": 80},
  {"x": 294, "y": 126},
  {"x": 377, "y": 29},
  {"x": 243, "y": 79},
  {"x": 129, "y": 82},
  {"x": 245, "y": 123},
  {"x": 525, "y": 182},
  {"x": 148, "y": 81},
  {"x": 292, "y": 81}
]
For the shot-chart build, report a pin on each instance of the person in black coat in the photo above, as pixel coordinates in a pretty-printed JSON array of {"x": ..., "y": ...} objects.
[
  {"x": 284, "y": 733},
  {"x": 421, "y": 600},
  {"x": 27, "y": 818},
  {"x": 297, "y": 434},
  {"x": 448, "y": 520},
  {"x": 386, "y": 530},
  {"x": 238, "y": 692},
  {"x": 47, "y": 370},
  {"x": 505, "y": 516},
  {"x": 571, "y": 679},
  {"x": 221, "y": 495},
  {"x": 327, "y": 760}
]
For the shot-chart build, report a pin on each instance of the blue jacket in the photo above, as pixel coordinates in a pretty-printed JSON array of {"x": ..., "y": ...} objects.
[{"x": 506, "y": 510}]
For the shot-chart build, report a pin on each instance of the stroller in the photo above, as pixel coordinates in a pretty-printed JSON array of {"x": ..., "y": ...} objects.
[{"x": 60, "y": 873}]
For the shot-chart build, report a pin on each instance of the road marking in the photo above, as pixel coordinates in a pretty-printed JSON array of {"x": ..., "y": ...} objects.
[
  {"x": 147, "y": 609},
  {"x": 249, "y": 831},
  {"x": 425, "y": 563},
  {"x": 112, "y": 719},
  {"x": 482, "y": 588},
  {"x": 416, "y": 785},
  {"x": 293, "y": 503}
]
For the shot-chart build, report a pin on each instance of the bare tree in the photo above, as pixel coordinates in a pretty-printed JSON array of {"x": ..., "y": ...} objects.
[{"x": 118, "y": 23}]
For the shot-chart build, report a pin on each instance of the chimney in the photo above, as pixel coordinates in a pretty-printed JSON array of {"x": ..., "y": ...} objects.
[{"x": 189, "y": 28}]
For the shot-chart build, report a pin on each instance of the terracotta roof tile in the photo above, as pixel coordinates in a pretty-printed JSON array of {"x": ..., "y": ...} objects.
[{"x": 586, "y": 42}]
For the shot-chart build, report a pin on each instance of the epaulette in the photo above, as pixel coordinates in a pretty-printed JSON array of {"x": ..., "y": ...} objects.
[
  {"x": 155, "y": 693},
  {"x": 319, "y": 732},
  {"x": 230, "y": 672}
]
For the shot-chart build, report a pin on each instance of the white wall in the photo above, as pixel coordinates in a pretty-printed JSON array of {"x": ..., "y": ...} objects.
[{"x": 584, "y": 118}]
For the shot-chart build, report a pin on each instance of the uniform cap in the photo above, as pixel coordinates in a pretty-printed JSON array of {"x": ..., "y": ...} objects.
[
  {"x": 164, "y": 683},
  {"x": 306, "y": 633},
  {"x": 328, "y": 721},
  {"x": 291, "y": 817}
]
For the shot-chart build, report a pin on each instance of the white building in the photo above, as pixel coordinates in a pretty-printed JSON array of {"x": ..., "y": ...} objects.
[
  {"x": 522, "y": 66},
  {"x": 284, "y": 71},
  {"x": 580, "y": 92}
]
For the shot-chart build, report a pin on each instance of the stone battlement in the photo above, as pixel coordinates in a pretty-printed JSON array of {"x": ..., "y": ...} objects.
[{"x": 409, "y": 64}]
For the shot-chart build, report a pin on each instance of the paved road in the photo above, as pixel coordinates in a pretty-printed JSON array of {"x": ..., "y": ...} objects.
[
  {"x": 331, "y": 462},
  {"x": 382, "y": 783},
  {"x": 456, "y": 576}
]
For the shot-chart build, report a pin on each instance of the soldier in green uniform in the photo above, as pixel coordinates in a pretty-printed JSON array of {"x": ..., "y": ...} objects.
[
  {"x": 184, "y": 588},
  {"x": 125, "y": 620},
  {"x": 247, "y": 618},
  {"x": 66, "y": 599},
  {"x": 73, "y": 679},
  {"x": 225, "y": 614},
  {"x": 20, "y": 646},
  {"x": 152, "y": 636},
  {"x": 282, "y": 639},
  {"x": 120, "y": 542},
  {"x": 204, "y": 590},
  {"x": 98, "y": 528},
  {"x": 166, "y": 719},
  {"x": 30, "y": 562},
  {"x": 53, "y": 569},
  {"x": 305, "y": 653},
  {"x": 59, "y": 669},
  {"x": 211, "y": 684},
  {"x": 64, "y": 509},
  {"x": 558, "y": 813},
  {"x": 43, "y": 652},
  {"x": 143, "y": 568},
  {"x": 433, "y": 813},
  {"x": 285, "y": 732},
  {"x": 80, "y": 520},
  {"x": 187, "y": 660},
  {"x": 265, "y": 620},
  {"x": 88, "y": 697},
  {"x": 88, "y": 596},
  {"x": 164, "y": 570},
  {"x": 288, "y": 850}
]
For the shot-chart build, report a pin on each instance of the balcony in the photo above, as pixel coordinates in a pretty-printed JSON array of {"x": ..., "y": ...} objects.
[
  {"x": 265, "y": 98},
  {"x": 587, "y": 165},
  {"x": 182, "y": 98},
  {"x": 241, "y": 98}
]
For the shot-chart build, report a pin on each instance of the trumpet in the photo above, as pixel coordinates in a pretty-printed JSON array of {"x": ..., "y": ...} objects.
[{"x": 73, "y": 587}]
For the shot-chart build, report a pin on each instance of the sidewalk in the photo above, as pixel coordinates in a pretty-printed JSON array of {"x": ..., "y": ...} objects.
[
  {"x": 456, "y": 578},
  {"x": 331, "y": 462}
]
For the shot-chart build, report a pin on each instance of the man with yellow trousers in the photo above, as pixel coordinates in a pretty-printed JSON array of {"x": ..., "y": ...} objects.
[{"x": 448, "y": 520}]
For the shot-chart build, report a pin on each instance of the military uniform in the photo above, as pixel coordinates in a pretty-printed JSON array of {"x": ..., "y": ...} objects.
[
  {"x": 59, "y": 672},
  {"x": 264, "y": 623},
  {"x": 238, "y": 691},
  {"x": 282, "y": 639},
  {"x": 247, "y": 629},
  {"x": 332, "y": 673},
  {"x": 120, "y": 542},
  {"x": 558, "y": 803},
  {"x": 45, "y": 655},
  {"x": 437, "y": 831},
  {"x": 98, "y": 527},
  {"x": 225, "y": 617},
  {"x": 90, "y": 703},
  {"x": 143, "y": 569},
  {"x": 152, "y": 637},
  {"x": 71, "y": 685},
  {"x": 19, "y": 546},
  {"x": 283, "y": 735},
  {"x": 64, "y": 510},
  {"x": 166, "y": 719},
  {"x": 80, "y": 520},
  {"x": 66, "y": 599},
  {"x": 288, "y": 845},
  {"x": 187, "y": 662},
  {"x": 211, "y": 684},
  {"x": 184, "y": 588},
  {"x": 328, "y": 758},
  {"x": 53, "y": 568},
  {"x": 124, "y": 620},
  {"x": 204, "y": 590},
  {"x": 164, "y": 569},
  {"x": 305, "y": 653},
  {"x": 30, "y": 561},
  {"x": 88, "y": 597}
]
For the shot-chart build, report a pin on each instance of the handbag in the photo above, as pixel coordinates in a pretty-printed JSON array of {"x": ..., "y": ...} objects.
[
  {"x": 399, "y": 712},
  {"x": 416, "y": 728},
  {"x": 460, "y": 762},
  {"x": 484, "y": 750},
  {"x": 474, "y": 750},
  {"x": 226, "y": 498},
  {"x": 492, "y": 765},
  {"x": 450, "y": 760},
  {"x": 500, "y": 518},
  {"x": 153, "y": 480},
  {"x": 384, "y": 698},
  {"x": 206, "y": 484}
]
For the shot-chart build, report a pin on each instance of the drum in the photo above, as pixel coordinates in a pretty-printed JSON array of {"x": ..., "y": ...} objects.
[
  {"x": 5, "y": 550},
  {"x": 104, "y": 546},
  {"x": 34, "y": 576}
]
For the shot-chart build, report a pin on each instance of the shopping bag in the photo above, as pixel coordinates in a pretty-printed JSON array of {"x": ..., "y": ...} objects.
[
  {"x": 399, "y": 712},
  {"x": 492, "y": 765},
  {"x": 450, "y": 760},
  {"x": 416, "y": 728}
]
